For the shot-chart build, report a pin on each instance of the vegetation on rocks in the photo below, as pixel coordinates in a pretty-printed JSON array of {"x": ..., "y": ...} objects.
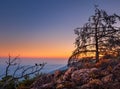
[
  {"x": 100, "y": 77},
  {"x": 17, "y": 76}
]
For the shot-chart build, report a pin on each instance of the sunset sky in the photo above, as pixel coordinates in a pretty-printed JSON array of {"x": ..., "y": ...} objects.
[{"x": 44, "y": 28}]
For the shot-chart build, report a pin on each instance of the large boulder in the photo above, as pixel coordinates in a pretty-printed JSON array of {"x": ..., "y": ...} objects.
[
  {"x": 83, "y": 76},
  {"x": 67, "y": 75}
]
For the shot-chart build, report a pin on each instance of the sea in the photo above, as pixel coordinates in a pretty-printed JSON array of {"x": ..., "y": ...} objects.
[{"x": 51, "y": 65}]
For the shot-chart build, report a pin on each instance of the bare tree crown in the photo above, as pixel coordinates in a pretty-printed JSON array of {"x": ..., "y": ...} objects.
[{"x": 99, "y": 36}]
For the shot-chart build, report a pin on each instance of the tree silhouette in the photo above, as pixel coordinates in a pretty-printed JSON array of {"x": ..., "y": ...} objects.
[
  {"x": 14, "y": 72},
  {"x": 99, "y": 36}
]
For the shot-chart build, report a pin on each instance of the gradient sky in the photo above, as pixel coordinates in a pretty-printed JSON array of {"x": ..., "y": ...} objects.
[{"x": 44, "y": 28}]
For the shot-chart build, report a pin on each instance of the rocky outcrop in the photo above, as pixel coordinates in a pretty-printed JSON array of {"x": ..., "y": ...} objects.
[
  {"x": 98, "y": 77},
  {"x": 83, "y": 76},
  {"x": 67, "y": 75}
]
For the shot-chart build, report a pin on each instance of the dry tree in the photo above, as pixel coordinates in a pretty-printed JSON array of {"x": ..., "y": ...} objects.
[
  {"x": 99, "y": 36},
  {"x": 18, "y": 71}
]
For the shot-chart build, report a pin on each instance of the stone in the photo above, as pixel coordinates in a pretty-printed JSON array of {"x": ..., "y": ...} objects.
[
  {"x": 83, "y": 76},
  {"x": 68, "y": 73},
  {"x": 93, "y": 84},
  {"x": 57, "y": 73},
  {"x": 44, "y": 79},
  {"x": 116, "y": 72},
  {"x": 47, "y": 86},
  {"x": 107, "y": 79},
  {"x": 85, "y": 86},
  {"x": 65, "y": 85}
]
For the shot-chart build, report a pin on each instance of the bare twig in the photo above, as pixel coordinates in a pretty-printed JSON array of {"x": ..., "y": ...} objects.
[{"x": 21, "y": 70}]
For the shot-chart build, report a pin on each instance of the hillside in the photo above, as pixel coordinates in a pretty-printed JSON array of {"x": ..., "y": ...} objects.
[{"x": 102, "y": 75}]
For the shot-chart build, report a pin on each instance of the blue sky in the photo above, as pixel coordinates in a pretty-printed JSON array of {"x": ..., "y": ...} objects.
[{"x": 45, "y": 27}]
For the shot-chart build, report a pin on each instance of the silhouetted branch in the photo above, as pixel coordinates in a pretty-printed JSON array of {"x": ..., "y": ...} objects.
[
  {"x": 99, "y": 33},
  {"x": 20, "y": 71}
]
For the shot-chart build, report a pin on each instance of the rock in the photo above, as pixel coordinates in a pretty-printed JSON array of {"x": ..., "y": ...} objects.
[
  {"x": 94, "y": 70},
  {"x": 65, "y": 85},
  {"x": 93, "y": 84},
  {"x": 68, "y": 73},
  {"x": 113, "y": 63},
  {"x": 83, "y": 76},
  {"x": 85, "y": 86},
  {"x": 57, "y": 73},
  {"x": 47, "y": 86},
  {"x": 60, "y": 86},
  {"x": 107, "y": 79},
  {"x": 115, "y": 85},
  {"x": 104, "y": 73},
  {"x": 106, "y": 76},
  {"x": 60, "y": 80},
  {"x": 116, "y": 72},
  {"x": 44, "y": 79},
  {"x": 111, "y": 85},
  {"x": 80, "y": 76}
]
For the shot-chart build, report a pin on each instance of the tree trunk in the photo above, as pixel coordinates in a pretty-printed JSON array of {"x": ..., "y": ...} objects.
[
  {"x": 97, "y": 52},
  {"x": 96, "y": 41}
]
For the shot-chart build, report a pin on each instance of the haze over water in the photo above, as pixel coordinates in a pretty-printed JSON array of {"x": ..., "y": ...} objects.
[{"x": 52, "y": 63}]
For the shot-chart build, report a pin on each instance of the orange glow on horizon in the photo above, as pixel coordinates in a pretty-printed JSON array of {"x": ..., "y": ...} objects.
[
  {"x": 36, "y": 55},
  {"x": 36, "y": 51}
]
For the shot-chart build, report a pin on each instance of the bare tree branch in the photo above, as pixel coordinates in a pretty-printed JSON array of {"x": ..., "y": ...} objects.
[
  {"x": 23, "y": 71},
  {"x": 99, "y": 33}
]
